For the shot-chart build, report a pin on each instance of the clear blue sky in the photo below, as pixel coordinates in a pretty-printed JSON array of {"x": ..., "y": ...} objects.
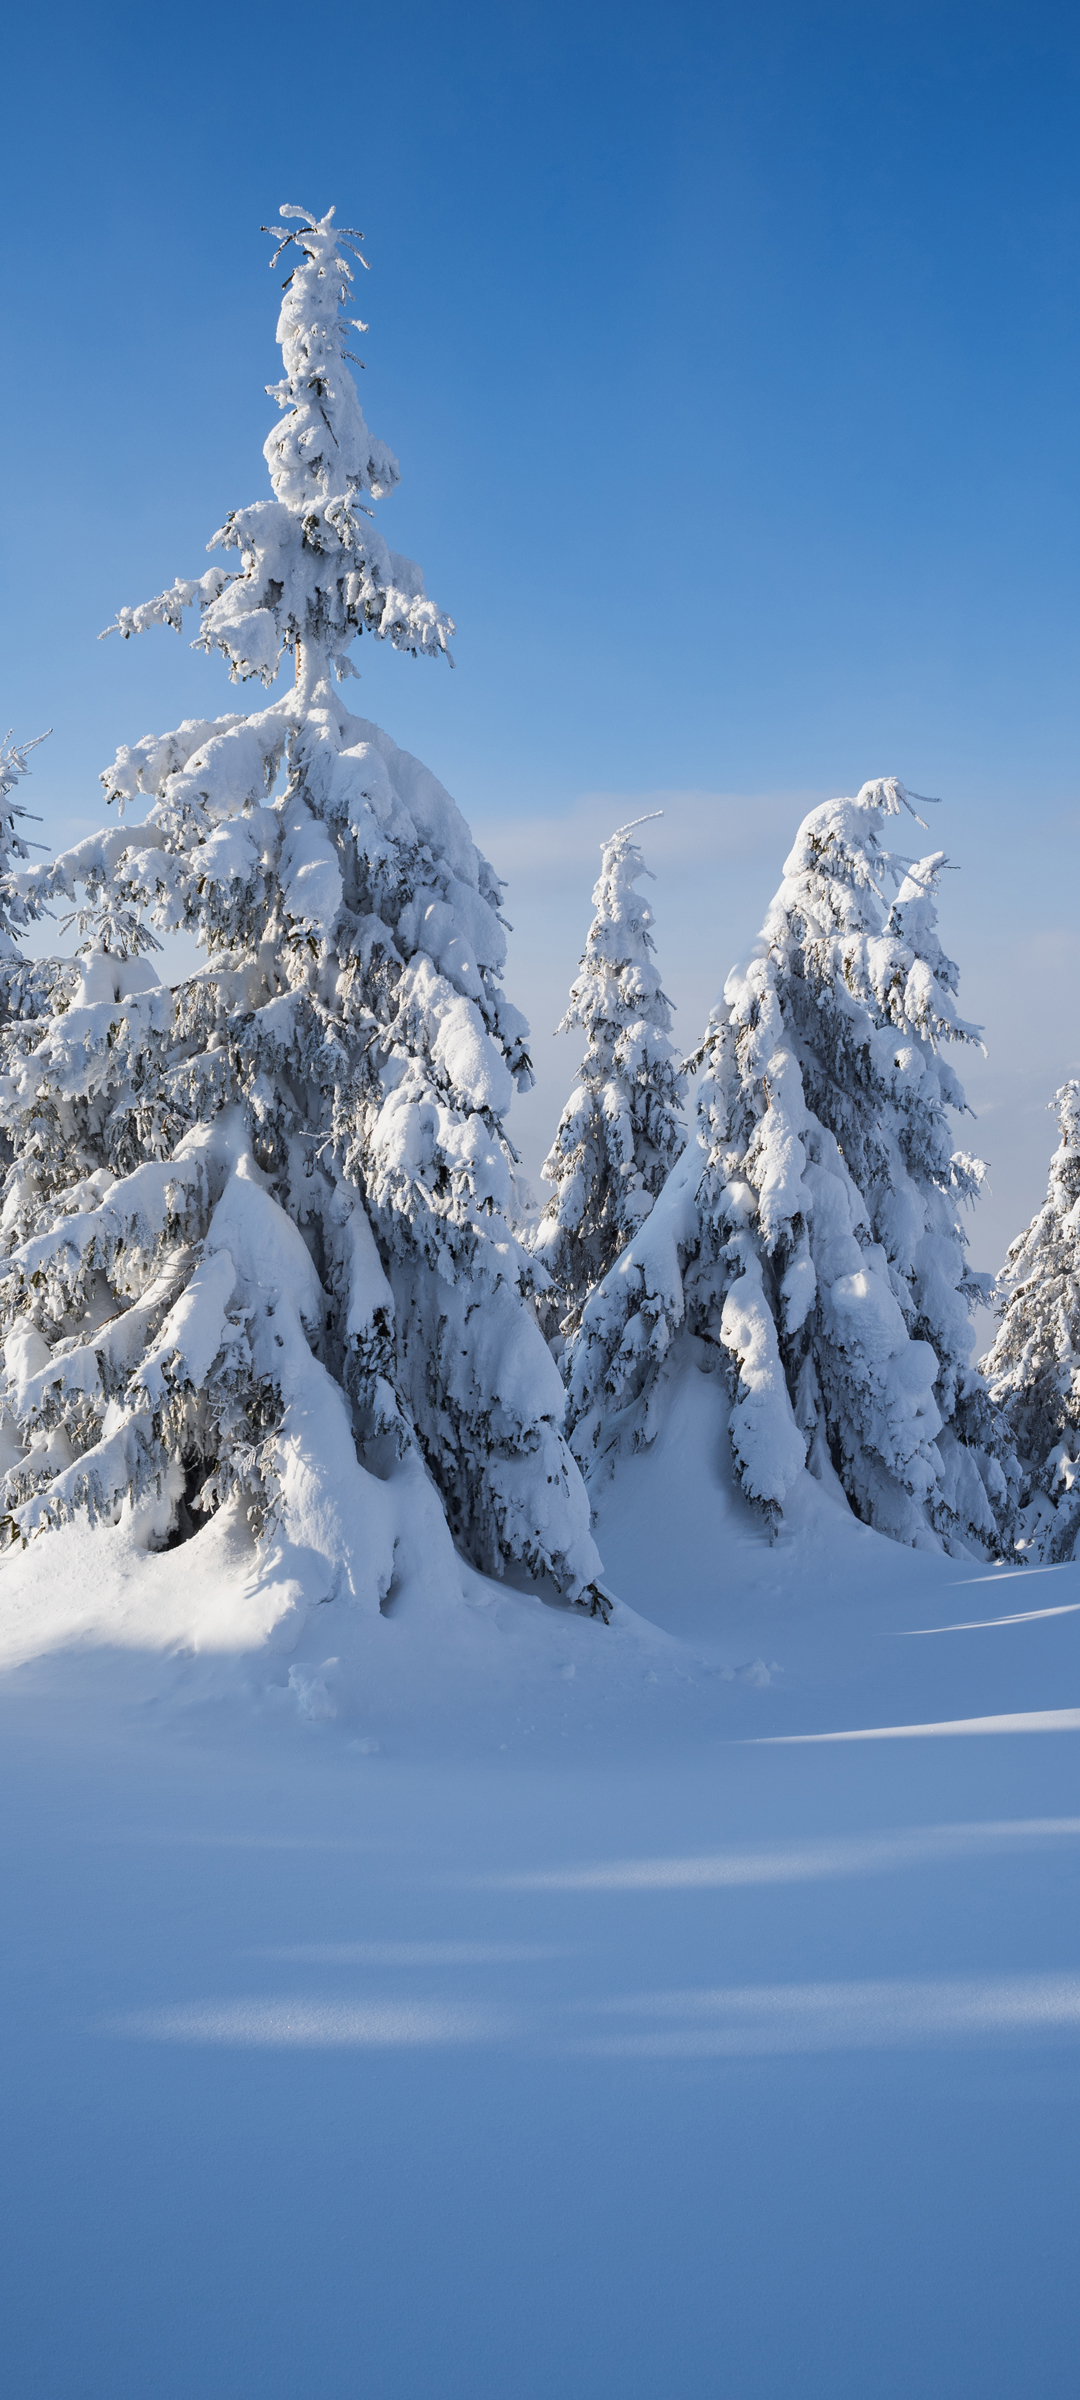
[{"x": 731, "y": 356}]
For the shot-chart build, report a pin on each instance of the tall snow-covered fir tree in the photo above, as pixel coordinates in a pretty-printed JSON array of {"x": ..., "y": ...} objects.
[
  {"x": 809, "y": 1235},
  {"x": 256, "y": 1248},
  {"x": 621, "y": 1131},
  {"x": 1033, "y": 1368}
]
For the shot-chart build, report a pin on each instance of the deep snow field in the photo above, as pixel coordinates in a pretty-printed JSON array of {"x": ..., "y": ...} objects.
[{"x": 483, "y": 2001}]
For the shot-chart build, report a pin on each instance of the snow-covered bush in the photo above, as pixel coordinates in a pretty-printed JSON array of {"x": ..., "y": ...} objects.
[
  {"x": 1033, "y": 1368},
  {"x": 621, "y": 1131},
  {"x": 254, "y": 1234},
  {"x": 809, "y": 1233}
]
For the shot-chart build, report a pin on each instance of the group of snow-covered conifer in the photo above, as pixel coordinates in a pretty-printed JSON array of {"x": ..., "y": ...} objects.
[{"x": 263, "y": 1245}]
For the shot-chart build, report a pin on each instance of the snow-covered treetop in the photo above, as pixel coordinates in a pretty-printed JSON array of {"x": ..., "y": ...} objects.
[
  {"x": 313, "y": 567},
  {"x": 1040, "y": 1281},
  {"x": 1033, "y": 1369},
  {"x": 17, "y": 908},
  {"x": 617, "y": 968},
  {"x": 617, "y": 1000},
  {"x": 841, "y": 849},
  {"x": 1064, "y": 1164},
  {"x": 620, "y": 1131},
  {"x": 834, "y": 907},
  {"x": 322, "y": 450}
]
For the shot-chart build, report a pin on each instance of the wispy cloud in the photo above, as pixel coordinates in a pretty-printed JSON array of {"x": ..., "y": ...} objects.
[
  {"x": 755, "y": 2020},
  {"x": 693, "y": 830},
  {"x": 726, "y": 2021},
  {"x": 185, "y": 1837},
  {"x": 417, "y": 1954},
  {"x": 804, "y": 1862},
  {"x": 313, "y": 2024}
]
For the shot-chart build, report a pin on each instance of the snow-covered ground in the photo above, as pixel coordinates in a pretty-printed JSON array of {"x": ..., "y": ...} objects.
[{"x": 478, "y": 2000}]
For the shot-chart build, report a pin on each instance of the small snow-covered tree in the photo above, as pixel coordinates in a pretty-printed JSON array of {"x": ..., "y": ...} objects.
[
  {"x": 255, "y": 1230},
  {"x": 1033, "y": 1367},
  {"x": 809, "y": 1234},
  {"x": 621, "y": 1131},
  {"x": 22, "y": 983}
]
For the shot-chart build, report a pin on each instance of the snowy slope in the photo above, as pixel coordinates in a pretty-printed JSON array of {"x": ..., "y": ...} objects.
[
  {"x": 530, "y": 2025},
  {"x": 717, "y": 1631}
]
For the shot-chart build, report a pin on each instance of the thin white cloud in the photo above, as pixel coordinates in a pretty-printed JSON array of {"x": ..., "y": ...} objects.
[
  {"x": 692, "y": 829},
  {"x": 183, "y": 1837},
  {"x": 757, "y": 2020},
  {"x": 703, "y": 2022},
  {"x": 417, "y": 1954},
  {"x": 289, "y": 2023},
  {"x": 860, "y": 1854}
]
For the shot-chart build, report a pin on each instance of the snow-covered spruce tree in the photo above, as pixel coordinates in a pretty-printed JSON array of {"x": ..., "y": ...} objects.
[
  {"x": 1033, "y": 1368},
  {"x": 809, "y": 1233},
  {"x": 621, "y": 1131},
  {"x": 23, "y": 982},
  {"x": 255, "y": 1236}
]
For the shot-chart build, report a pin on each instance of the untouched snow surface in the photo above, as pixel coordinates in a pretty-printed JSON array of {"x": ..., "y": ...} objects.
[{"x": 475, "y": 2000}]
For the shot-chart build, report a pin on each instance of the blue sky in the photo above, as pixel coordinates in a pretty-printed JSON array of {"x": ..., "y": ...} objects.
[{"x": 731, "y": 358}]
